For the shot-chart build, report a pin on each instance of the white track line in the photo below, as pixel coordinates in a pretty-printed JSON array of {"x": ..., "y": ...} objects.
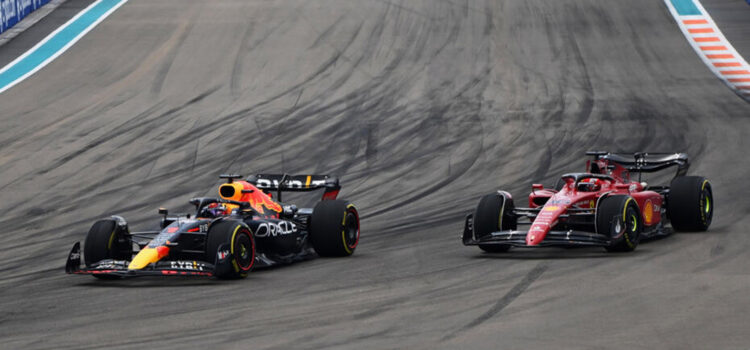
[
  {"x": 59, "y": 52},
  {"x": 714, "y": 49}
]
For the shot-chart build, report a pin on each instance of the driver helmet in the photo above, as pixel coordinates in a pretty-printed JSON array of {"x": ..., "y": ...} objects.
[
  {"x": 590, "y": 185},
  {"x": 213, "y": 210}
]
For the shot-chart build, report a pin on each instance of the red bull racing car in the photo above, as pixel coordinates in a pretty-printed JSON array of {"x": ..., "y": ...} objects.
[
  {"x": 603, "y": 206},
  {"x": 228, "y": 235}
]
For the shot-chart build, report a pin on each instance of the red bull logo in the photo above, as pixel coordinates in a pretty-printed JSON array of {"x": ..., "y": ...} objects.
[
  {"x": 260, "y": 200},
  {"x": 245, "y": 192}
]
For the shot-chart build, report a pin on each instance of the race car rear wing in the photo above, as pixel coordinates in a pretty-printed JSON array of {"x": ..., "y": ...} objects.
[
  {"x": 296, "y": 183},
  {"x": 646, "y": 162}
]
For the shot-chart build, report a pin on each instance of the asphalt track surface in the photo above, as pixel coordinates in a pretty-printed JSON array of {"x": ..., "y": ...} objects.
[
  {"x": 29, "y": 37},
  {"x": 421, "y": 107},
  {"x": 732, "y": 17}
]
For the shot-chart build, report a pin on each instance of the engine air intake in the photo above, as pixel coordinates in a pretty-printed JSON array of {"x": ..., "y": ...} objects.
[{"x": 227, "y": 191}]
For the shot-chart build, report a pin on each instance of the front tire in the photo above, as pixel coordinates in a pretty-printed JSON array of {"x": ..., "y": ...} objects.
[
  {"x": 241, "y": 245},
  {"x": 690, "y": 204},
  {"x": 106, "y": 240},
  {"x": 334, "y": 228},
  {"x": 494, "y": 213},
  {"x": 618, "y": 217}
]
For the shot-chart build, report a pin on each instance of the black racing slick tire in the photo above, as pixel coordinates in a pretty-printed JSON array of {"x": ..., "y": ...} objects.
[
  {"x": 334, "y": 228},
  {"x": 690, "y": 205},
  {"x": 619, "y": 218},
  {"x": 238, "y": 237},
  {"x": 106, "y": 240},
  {"x": 494, "y": 213}
]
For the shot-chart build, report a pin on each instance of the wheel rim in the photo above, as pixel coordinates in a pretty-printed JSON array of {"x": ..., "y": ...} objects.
[
  {"x": 633, "y": 222},
  {"x": 351, "y": 229},
  {"x": 244, "y": 254},
  {"x": 707, "y": 210},
  {"x": 708, "y": 206},
  {"x": 631, "y": 226}
]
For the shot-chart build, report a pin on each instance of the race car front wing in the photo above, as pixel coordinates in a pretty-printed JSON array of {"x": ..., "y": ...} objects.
[
  {"x": 119, "y": 268},
  {"x": 517, "y": 238}
]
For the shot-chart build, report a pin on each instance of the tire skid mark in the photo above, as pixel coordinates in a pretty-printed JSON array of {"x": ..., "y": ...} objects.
[
  {"x": 247, "y": 47},
  {"x": 172, "y": 48},
  {"x": 128, "y": 126},
  {"x": 402, "y": 106},
  {"x": 234, "y": 82},
  {"x": 506, "y": 300}
]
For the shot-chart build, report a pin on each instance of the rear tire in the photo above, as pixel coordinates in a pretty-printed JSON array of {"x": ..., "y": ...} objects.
[
  {"x": 241, "y": 243},
  {"x": 334, "y": 228},
  {"x": 690, "y": 204},
  {"x": 619, "y": 218},
  {"x": 106, "y": 240},
  {"x": 491, "y": 216}
]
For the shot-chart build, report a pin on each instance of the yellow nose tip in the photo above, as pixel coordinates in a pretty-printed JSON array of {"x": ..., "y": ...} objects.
[{"x": 143, "y": 258}]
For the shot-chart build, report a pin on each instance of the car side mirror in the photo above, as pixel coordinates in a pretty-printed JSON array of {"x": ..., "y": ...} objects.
[{"x": 536, "y": 187}]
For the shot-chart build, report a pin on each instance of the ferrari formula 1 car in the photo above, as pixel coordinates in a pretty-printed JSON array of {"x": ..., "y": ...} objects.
[
  {"x": 600, "y": 207},
  {"x": 228, "y": 235}
]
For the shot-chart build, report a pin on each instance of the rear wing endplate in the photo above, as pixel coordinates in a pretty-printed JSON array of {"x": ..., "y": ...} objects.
[{"x": 296, "y": 183}]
